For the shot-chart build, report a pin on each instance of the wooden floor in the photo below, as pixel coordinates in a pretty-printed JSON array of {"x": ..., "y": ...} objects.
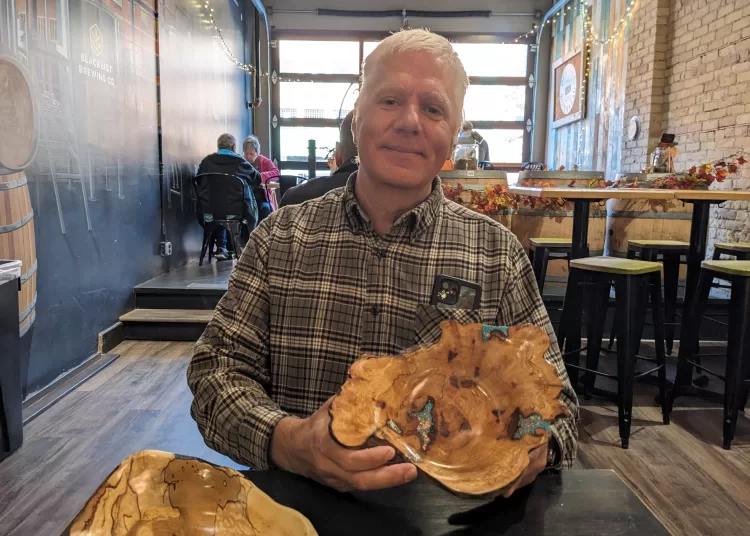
[{"x": 142, "y": 401}]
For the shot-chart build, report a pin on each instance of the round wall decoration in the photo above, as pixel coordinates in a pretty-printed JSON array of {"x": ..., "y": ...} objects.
[{"x": 634, "y": 128}]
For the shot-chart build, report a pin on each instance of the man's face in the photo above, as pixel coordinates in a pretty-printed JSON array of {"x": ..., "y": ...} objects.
[
  {"x": 250, "y": 154},
  {"x": 406, "y": 120}
]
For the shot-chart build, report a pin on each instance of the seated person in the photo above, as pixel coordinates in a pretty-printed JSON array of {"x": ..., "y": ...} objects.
[
  {"x": 351, "y": 273},
  {"x": 346, "y": 156},
  {"x": 268, "y": 171},
  {"x": 227, "y": 162}
]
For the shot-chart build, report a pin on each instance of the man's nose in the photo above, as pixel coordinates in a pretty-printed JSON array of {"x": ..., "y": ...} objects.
[{"x": 408, "y": 121}]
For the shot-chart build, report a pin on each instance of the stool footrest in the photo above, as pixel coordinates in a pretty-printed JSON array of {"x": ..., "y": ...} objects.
[
  {"x": 584, "y": 369},
  {"x": 704, "y": 369},
  {"x": 648, "y": 372},
  {"x": 644, "y": 358},
  {"x": 575, "y": 351}
]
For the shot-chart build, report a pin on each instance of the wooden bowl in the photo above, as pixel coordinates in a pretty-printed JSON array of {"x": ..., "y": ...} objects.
[
  {"x": 466, "y": 410},
  {"x": 155, "y": 493}
]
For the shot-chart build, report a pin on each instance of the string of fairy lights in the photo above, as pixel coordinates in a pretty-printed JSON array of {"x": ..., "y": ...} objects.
[{"x": 590, "y": 35}]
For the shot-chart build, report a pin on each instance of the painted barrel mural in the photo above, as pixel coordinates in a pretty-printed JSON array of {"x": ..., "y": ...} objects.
[{"x": 18, "y": 144}]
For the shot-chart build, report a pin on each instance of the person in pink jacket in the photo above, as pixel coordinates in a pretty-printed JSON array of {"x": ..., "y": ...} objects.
[{"x": 268, "y": 172}]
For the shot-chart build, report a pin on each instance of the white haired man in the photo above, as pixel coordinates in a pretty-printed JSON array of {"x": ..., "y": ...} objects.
[{"x": 352, "y": 272}]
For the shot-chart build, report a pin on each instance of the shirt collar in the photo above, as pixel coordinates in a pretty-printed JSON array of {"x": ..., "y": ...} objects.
[{"x": 416, "y": 221}]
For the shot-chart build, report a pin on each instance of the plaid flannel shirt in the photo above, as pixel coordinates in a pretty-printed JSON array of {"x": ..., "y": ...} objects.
[{"x": 316, "y": 287}]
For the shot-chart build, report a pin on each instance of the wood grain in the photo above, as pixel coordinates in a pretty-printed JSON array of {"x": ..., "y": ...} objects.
[
  {"x": 713, "y": 195},
  {"x": 156, "y": 493},
  {"x": 594, "y": 193},
  {"x": 141, "y": 401},
  {"x": 466, "y": 410}
]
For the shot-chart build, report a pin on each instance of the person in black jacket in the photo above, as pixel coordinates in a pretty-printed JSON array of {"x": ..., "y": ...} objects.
[
  {"x": 346, "y": 155},
  {"x": 226, "y": 161}
]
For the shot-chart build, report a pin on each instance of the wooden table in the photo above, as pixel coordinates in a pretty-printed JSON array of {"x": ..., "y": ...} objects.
[{"x": 572, "y": 503}]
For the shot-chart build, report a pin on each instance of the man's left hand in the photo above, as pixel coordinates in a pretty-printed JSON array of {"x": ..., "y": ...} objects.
[{"x": 537, "y": 464}]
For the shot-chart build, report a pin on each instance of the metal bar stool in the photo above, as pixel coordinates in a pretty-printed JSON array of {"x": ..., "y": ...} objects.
[
  {"x": 669, "y": 252},
  {"x": 736, "y": 376},
  {"x": 539, "y": 254},
  {"x": 633, "y": 281}
]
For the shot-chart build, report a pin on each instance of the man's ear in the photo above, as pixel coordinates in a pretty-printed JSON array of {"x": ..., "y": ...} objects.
[
  {"x": 339, "y": 154},
  {"x": 354, "y": 124}
]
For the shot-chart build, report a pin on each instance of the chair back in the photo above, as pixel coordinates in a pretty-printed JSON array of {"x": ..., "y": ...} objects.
[
  {"x": 286, "y": 182},
  {"x": 221, "y": 195}
]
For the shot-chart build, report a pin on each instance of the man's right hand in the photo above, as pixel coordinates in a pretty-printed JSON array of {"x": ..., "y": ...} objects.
[{"x": 305, "y": 447}]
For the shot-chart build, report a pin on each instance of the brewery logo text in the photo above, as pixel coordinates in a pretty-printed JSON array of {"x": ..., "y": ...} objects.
[{"x": 93, "y": 67}]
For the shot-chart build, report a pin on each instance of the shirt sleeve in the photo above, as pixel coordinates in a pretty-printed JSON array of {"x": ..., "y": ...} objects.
[
  {"x": 522, "y": 304},
  {"x": 230, "y": 372}
]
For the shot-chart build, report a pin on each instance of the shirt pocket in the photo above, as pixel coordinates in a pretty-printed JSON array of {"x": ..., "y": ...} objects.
[{"x": 428, "y": 318}]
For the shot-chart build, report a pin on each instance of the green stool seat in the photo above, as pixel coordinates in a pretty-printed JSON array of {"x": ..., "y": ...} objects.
[
  {"x": 736, "y": 246},
  {"x": 615, "y": 265},
  {"x": 551, "y": 242},
  {"x": 740, "y": 268},
  {"x": 660, "y": 244}
]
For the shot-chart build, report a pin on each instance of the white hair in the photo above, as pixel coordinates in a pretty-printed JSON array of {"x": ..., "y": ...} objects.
[{"x": 420, "y": 40}]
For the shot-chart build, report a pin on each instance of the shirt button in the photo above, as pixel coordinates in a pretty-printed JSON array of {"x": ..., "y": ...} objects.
[
  {"x": 375, "y": 310},
  {"x": 381, "y": 254}
]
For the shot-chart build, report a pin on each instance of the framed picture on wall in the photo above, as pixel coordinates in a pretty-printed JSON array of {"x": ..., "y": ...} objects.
[{"x": 568, "y": 79}]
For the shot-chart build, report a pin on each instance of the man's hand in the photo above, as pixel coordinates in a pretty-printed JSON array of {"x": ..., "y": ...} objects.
[
  {"x": 537, "y": 464},
  {"x": 305, "y": 447}
]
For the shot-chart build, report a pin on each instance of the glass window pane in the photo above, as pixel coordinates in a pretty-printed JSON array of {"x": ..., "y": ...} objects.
[
  {"x": 293, "y": 142},
  {"x": 495, "y": 103},
  {"x": 505, "y": 146},
  {"x": 484, "y": 59},
  {"x": 316, "y": 100},
  {"x": 319, "y": 57},
  {"x": 492, "y": 59}
]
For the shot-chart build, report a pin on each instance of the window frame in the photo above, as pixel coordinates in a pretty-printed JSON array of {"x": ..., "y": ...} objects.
[{"x": 361, "y": 37}]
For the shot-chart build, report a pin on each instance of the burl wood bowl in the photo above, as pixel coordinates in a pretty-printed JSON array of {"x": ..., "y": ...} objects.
[
  {"x": 155, "y": 493},
  {"x": 466, "y": 411}
]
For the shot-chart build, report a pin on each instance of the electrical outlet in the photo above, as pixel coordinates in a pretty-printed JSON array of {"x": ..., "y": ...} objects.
[{"x": 166, "y": 249}]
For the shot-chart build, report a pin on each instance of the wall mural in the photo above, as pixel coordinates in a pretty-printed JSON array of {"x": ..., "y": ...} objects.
[{"x": 78, "y": 96}]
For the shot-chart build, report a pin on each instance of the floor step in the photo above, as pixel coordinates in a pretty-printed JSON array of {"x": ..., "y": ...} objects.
[
  {"x": 168, "y": 315},
  {"x": 165, "y": 324}
]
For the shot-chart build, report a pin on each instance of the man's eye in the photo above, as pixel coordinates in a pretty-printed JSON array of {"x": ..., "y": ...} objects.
[
  {"x": 389, "y": 102},
  {"x": 433, "y": 110}
]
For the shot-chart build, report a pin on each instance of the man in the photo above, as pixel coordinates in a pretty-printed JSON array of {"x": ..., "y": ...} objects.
[
  {"x": 345, "y": 156},
  {"x": 226, "y": 161},
  {"x": 469, "y": 135},
  {"x": 351, "y": 273},
  {"x": 268, "y": 171}
]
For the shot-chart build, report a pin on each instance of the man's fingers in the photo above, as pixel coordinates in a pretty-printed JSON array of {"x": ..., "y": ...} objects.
[
  {"x": 359, "y": 460},
  {"x": 385, "y": 477}
]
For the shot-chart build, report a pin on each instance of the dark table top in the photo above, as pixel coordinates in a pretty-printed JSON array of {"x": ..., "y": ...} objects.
[{"x": 580, "y": 503}]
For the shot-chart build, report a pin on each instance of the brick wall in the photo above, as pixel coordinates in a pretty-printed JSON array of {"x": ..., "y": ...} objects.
[
  {"x": 707, "y": 94},
  {"x": 646, "y": 76}
]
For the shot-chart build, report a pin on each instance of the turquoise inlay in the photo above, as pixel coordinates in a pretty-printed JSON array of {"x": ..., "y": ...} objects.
[
  {"x": 425, "y": 423},
  {"x": 487, "y": 331},
  {"x": 529, "y": 425},
  {"x": 393, "y": 426}
]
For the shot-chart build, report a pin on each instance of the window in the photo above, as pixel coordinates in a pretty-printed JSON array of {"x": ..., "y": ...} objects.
[
  {"x": 492, "y": 59},
  {"x": 319, "y": 57},
  {"x": 52, "y": 29},
  {"x": 294, "y": 143},
  {"x": 318, "y": 86},
  {"x": 316, "y": 100},
  {"x": 41, "y": 26}
]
